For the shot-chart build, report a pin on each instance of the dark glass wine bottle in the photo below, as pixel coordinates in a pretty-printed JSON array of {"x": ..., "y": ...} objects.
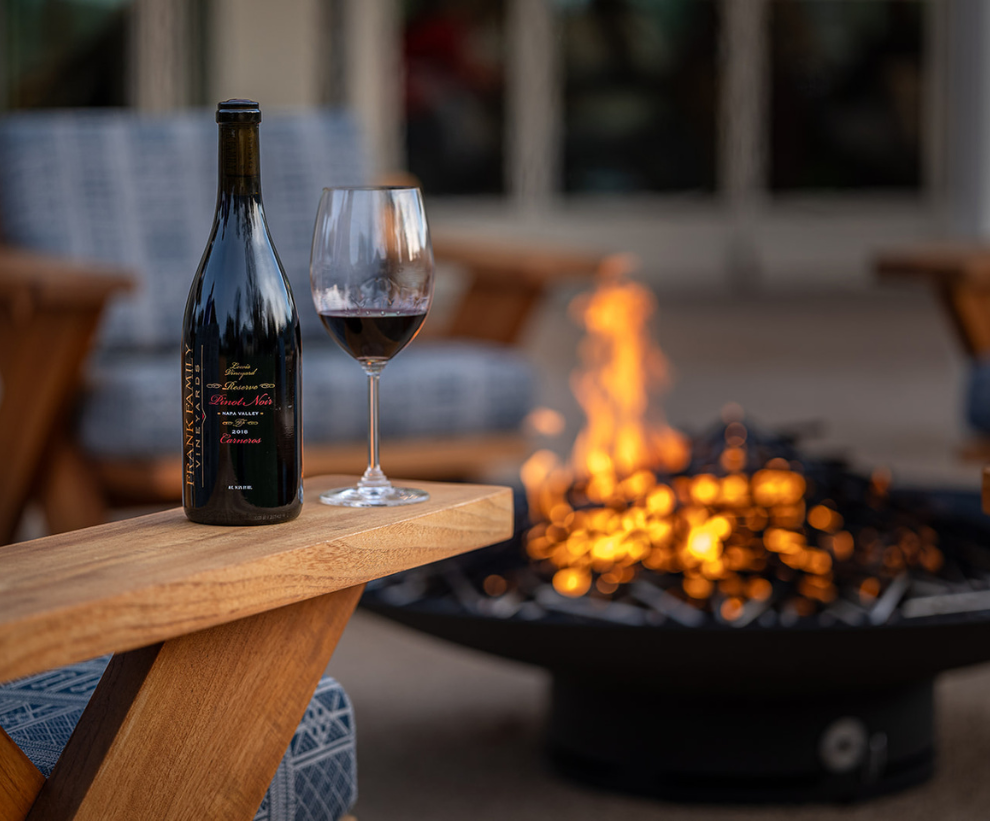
[{"x": 242, "y": 432}]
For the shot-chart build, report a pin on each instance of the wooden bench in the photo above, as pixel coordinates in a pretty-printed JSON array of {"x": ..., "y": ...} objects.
[
  {"x": 49, "y": 313},
  {"x": 220, "y": 636},
  {"x": 959, "y": 275}
]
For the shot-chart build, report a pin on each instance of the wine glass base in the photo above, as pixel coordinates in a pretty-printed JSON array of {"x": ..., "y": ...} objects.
[{"x": 373, "y": 496}]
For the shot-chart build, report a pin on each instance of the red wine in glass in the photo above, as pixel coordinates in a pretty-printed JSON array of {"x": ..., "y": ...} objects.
[{"x": 370, "y": 334}]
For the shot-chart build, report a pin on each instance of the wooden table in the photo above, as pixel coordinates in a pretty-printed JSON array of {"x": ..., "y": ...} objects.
[
  {"x": 49, "y": 313},
  {"x": 959, "y": 275},
  {"x": 220, "y": 636},
  {"x": 508, "y": 279}
]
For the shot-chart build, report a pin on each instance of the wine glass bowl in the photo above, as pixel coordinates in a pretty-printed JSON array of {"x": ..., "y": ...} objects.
[{"x": 371, "y": 276}]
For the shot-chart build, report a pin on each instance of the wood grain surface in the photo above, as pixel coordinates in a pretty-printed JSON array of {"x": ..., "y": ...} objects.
[
  {"x": 41, "y": 363},
  {"x": 20, "y": 780},
  {"x": 194, "y": 728},
  {"x": 129, "y": 584}
]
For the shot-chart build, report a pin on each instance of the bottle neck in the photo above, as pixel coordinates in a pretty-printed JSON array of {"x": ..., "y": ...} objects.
[{"x": 240, "y": 165}]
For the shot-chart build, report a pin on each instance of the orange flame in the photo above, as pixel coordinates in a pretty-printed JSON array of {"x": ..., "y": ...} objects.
[
  {"x": 719, "y": 533},
  {"x": 705, "y": 527},
  {"x": 622, "y": 366}
]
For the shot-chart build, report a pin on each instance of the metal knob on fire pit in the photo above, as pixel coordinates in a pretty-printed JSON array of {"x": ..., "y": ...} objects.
[
  {"x": 843, "y": 745},
  {"x": 726, "y": 748}
]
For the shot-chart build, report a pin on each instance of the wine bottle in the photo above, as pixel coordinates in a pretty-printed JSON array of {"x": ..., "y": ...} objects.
[{"x": 242, "y": 432}]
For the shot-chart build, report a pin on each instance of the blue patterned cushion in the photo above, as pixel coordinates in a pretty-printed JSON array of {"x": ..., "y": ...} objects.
[
  {"x": 133, "y": 406},
  {"x": 316, "y": 781},
  {"x": 139, "y": 191}
]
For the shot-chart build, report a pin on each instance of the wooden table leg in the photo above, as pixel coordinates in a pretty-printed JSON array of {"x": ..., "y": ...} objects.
[
  {"x": 41, "y": 359},
  {"x": 20, "y": 781},
  {"x": 194, "y": 728},
  {"x": 968, "y": 308},
  {"x": 67, "y": 489}
]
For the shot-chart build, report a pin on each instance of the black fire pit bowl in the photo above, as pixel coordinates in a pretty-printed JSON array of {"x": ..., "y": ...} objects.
[{"x": 722, "y": 714}]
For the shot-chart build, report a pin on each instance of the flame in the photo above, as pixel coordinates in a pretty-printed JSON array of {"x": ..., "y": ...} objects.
[
  {"x": 622, "y": 366},
  {"x": 724, "y": 536}
]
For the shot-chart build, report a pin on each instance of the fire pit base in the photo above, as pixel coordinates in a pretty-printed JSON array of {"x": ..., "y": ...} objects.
[
  {"x": 815, "y": 709},
  {"x": 817, "y": 747}
]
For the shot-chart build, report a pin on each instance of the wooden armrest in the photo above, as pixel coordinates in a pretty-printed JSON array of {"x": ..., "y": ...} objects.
[
  {"x": 508, "y": 279},
  {"x": 511, "y": 261},
  {"x": 132, "y": 583},
  {"x": 220, "y": 635},
  {"x": 960, "y": 274},
  {"x": 941, "y": 264},
  {"x": 30, "y": 278}
]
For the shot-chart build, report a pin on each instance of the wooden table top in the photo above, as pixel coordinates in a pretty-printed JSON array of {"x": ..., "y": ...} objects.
[
  {"x": 945, "y": 261},
  {"x": 51, "y": 280},
  {"x": 131, "y": 583},
  {"x": 536, "y": 263}
]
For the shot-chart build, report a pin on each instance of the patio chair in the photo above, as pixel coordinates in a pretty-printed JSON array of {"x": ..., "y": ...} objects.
[{"x": 116, "y": 190}]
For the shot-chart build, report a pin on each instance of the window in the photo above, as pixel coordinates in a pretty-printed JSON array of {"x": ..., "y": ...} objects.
[
  {"x": 639, "y": 95},
  {"x": 455, "y": 94},
  {"x": 846, "y": 94},
  {"x": 64, "y": 53},
  {"x": 648, "y": 96}
]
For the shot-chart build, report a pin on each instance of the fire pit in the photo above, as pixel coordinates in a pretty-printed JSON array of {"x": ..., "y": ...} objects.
[
  {"x": 656, "y": 695},
  {"x": 722, "y": 619}
]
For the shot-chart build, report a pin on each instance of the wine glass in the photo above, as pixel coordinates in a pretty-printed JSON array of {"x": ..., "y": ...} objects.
[{"x": 371, "y": 275}]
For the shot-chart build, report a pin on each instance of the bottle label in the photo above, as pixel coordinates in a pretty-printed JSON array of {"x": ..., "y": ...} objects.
[
  {"x": 230, "y": 405},
  {"x": 241, "y": 400},
  {"x": 192, "y": 417},
  {"x": 241, "y": 446}
]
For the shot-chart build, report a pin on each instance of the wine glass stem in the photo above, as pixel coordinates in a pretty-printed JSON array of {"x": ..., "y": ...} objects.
[{"x": 373, "y": 476}]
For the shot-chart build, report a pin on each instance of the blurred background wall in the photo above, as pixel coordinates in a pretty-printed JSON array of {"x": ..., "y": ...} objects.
[{"x": 734, "y": 145}]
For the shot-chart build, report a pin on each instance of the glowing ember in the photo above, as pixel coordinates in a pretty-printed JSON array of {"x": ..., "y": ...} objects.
[
  {"x": 545, "y": 422},
  {"x": 734, "y": 530}
]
